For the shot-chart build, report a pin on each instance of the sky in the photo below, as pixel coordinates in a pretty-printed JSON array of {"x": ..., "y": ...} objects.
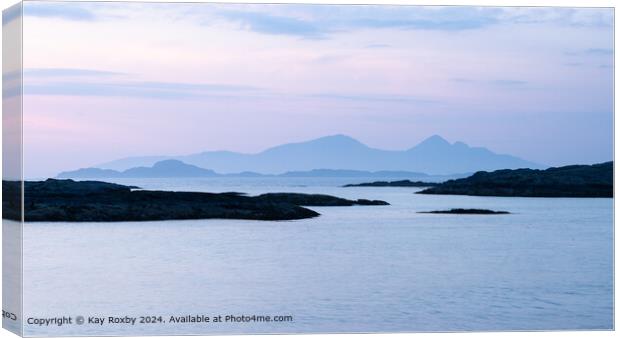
[{"x": 104, "y": 81}]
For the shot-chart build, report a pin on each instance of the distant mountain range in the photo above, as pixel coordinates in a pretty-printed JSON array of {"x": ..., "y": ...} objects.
[
  {"x": 434, "y": 156},
  {"x": 176, "y": 168},
  {"x": 166, "y": 168}
]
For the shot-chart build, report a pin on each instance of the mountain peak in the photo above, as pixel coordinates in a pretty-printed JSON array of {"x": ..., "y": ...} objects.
[
  {"x": 321, "y": 144},
  {"x": 171, "y": 164},
  {"x": 337, "y": 142},
  {"x": 340, "y": 138},
  {"x": 434, "y": 141}
]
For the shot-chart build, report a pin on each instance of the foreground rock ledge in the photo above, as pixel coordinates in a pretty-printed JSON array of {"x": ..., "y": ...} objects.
[{"x": 92, "y": 201}]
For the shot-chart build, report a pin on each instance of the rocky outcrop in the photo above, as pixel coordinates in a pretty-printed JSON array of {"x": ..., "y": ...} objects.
[
  {"x": 316, "y": 200},
  {"x": 569, "y": 181},
  {"x": 92, "y": 201},
  {"x": 401, "y": 183},
  {"x": 460, "y": 211}
]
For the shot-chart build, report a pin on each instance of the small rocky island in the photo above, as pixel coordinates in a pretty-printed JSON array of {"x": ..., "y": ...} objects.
[
  {"x": 460, "y": 211},
  {"x": 401, "y": 183},
  {"x": 93, "y": 201},
  {"x": 569, "y": 181}
]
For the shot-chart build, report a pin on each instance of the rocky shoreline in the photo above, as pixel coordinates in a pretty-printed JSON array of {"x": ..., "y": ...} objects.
[
  {"x": 93, "y": 201},
  {"x": 569, "y": 181}
]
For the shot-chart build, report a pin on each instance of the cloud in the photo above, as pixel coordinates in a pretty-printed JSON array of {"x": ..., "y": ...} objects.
[
  {"x": 90, "y": 82},
  {"x": 192, "y": 86},
  {"x": 434, "y": 22},
  {"x": 152, "y": 90},
  {"x": 574, "y": 64},
  {"x": 11, "y": 13},
  {"x": 11, "y": 84},
  {"x": 599, "y": 51},
  {"x": 277, "y": 25},
  {"x": 591, "y": 52},
  {"x": 11, "y": 76},
  {"x": 462, "y": 80},
  {"x": 67, "y": 72},
  {"x": 373, "y": 98},
  {"x": 12, "y": 91},
  {"x": 327, "y": 59},
  {"x": 563, "y": 16},
  {"x": 321, "y": 21},
  {"x": 495, "y": 82},
  {"x": 439, "y": 18},
  {"x": 67, "y": 11},
  {"x": 459, "y": 18},
  {"x": 318, "y": 22},
  {"x": 377, "y": 45},
  {"x": 509, "y": 83}
]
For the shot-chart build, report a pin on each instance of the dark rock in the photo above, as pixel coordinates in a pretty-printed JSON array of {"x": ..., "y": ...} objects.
[
  {"x": 402, "y": 183},
  {"x": 370, "y": 202},
  {"x": 460, "y": 211},
  {"x": 569, "y": 181},
  {"x": 91, "y": 201},
  {"x": 316, "y": 200}
]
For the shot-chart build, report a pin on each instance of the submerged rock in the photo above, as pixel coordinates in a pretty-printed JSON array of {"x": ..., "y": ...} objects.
[
  {"x": 460, "y": 211},
  {"x": 401, "y": 183}
]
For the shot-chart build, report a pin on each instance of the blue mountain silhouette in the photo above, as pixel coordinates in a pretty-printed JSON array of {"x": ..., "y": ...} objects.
[
  {"x": 165, "y": 168},
  {"x": 434, "y": 155}
]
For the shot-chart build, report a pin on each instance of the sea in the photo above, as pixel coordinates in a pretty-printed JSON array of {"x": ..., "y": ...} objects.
[{"x": 548, "y": 265}]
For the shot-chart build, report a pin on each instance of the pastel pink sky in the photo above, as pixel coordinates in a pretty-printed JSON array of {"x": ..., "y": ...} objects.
[{"x": 110, "y": 80}]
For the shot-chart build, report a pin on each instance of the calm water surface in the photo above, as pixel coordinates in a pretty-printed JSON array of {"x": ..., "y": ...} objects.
[{"x": 547, "y": 266}]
